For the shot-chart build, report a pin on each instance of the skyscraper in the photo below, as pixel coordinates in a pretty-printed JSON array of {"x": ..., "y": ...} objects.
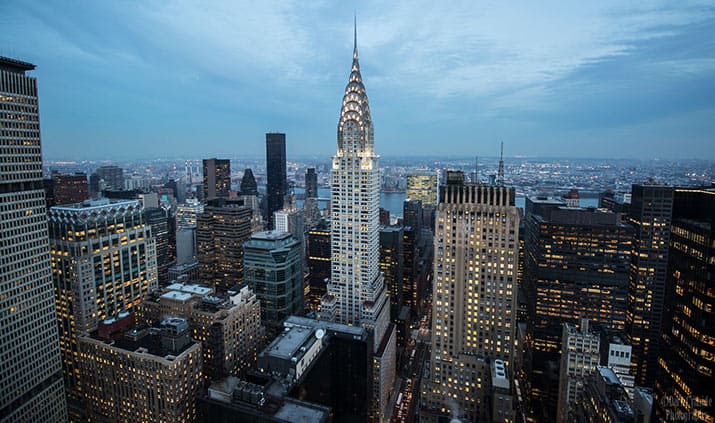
[
  {"x": 318, "y": 260},
  {"x": 357, "y": 294},
  {"x": 474, "y": 295},
  {"x": 159, "y": 222},
  {"x": 576, "y": 263},
  {"x": 222, "y": 229},
  {"x": 650, "y": 214},
  {"x": 113, "y": 177},
  {"x": 248, "y": 183},
  {"x": 273, "y": 263},
  {"x": 311, "y": 183},
  {"x": 277, "y": 184},
  {"x": 103, "y": 263},
  {"x": 423, "y": 188},
  {"x": 70, "y": 189},
  {"x": 31, "y": 386},
  {"x": 686, "y": 362},
  {"x": 217, "y": 178}
]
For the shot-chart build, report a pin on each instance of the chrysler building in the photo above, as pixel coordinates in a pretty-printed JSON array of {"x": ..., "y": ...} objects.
[{"x": 356, "y": 294}]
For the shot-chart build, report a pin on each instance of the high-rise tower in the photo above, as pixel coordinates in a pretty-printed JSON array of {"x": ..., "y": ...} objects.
[
  {"x": 31, "y": 387},
  {"x": 356, "y": 292},
  {"x": 276, "y": 182},
  {"x": 474, "y": 308}
]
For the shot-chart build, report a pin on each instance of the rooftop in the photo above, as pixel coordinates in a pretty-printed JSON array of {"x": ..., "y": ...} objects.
[
  {"x": 300, "y": 412},
  {"x": 14, "y": 65},
  {"x": 289, "y": 342}
]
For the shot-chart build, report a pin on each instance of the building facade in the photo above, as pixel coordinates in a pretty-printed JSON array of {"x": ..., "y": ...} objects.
[
  {"x": 686, "y": 362},
  {"x": 474, "y": 296},
  {"x": 228, "y": 326},
  {"x": 217, "y": 178},
  {"x": 580, "y": 355},
  {"x": 318, "y": 261},
  {"x": 31, "y": 386},
  {"x": 311, "y": 183},
  {"x": 106, "y": 177},
  {"x": 103, "y": 262},
  {"x": 650, "y": 215},
  {"x": 140, "y": 375},
  {"x": 69, "y": 189},
  {"x": 276, "y": 176},
  {"x": 423, "y": 188},
  {"x": 357, "y": 294},
  {"x": 273, "y": 262},
  {"x": 222, "y": 229}
]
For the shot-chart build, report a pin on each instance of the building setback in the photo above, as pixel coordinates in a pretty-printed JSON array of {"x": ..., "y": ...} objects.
[
  {"x": 357, "y": 294},
  {"x": 31, "y": 387}
]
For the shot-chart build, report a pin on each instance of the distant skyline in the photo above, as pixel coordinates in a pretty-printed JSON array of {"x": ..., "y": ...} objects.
[{"x": 131, "y": 80}]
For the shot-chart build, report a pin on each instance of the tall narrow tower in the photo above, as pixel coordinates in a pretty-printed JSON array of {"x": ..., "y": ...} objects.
[
  {"x": 356, "y": 293},
  {"x": 31, "y": 387}
]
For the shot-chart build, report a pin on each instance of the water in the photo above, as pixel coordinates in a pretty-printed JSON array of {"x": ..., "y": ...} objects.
[{"x": 393, "y": 201}]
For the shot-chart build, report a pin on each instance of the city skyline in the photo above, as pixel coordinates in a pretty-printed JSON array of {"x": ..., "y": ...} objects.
[{"x": 176, "y": 78}]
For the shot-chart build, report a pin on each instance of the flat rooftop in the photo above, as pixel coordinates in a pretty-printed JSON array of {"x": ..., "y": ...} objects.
[
  {"x": 296, "y": 412},
  {"x": 177, "y": 296},
  {"x": 289, "y": 342},
  {"x": 190, "y": 288},
  {"x": 14, "y": 65}
]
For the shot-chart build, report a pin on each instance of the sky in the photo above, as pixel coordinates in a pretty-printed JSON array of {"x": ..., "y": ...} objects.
[{"x": 192, "y": 79}]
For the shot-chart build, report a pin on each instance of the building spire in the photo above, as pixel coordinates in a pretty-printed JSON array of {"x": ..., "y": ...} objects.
[{"x": 355, "y": 52}]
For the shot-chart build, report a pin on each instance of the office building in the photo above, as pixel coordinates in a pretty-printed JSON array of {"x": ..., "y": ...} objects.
[
  {"x": 187, "y": 212},
  {"x": 290, "y": 220},
  {"x": 476, "y": 249},
  {"x": 228, "y": 326},
  {"x": 412, "y": 215},
  {"x": 103, "y": 262},
  {"x": 106, "y": 178},
  {"x": 580, "y": 355},
  {"x": 357, "y": 294},
  {"x": 248, "y": 183},
  {"x": 650, "y": 216},
  {"x": 501, "y": 400},
  {"x": 576, "y": 263},
  {"x": 69, "y": 189},
  {"x": 222, "y": 229},
  {"x": 274, "y": 270},
  {"x": 31, "y": 385},
  {"x": 217, "y": 178},
  {"x": 422, "y": 188},
  {"x": 604, "y": 400},
  {"x": 384, "y": 217},
  {"x": 312, "y": 372},
  {"x": 311, "y": 183},
  {"x": 276, "y": 177},
  {"x": 318, "y": 261},
  {"x": 140, "y": 374},
  {"x": 686, "y": 362},
  {"x": 159, "y": 222}
]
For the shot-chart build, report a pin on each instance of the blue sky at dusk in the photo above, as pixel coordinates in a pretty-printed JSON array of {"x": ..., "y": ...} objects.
[{"x": 144, "y": 79}]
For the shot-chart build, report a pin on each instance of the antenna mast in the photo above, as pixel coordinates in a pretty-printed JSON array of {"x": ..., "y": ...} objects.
[{"x": 500, "y": 173}]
